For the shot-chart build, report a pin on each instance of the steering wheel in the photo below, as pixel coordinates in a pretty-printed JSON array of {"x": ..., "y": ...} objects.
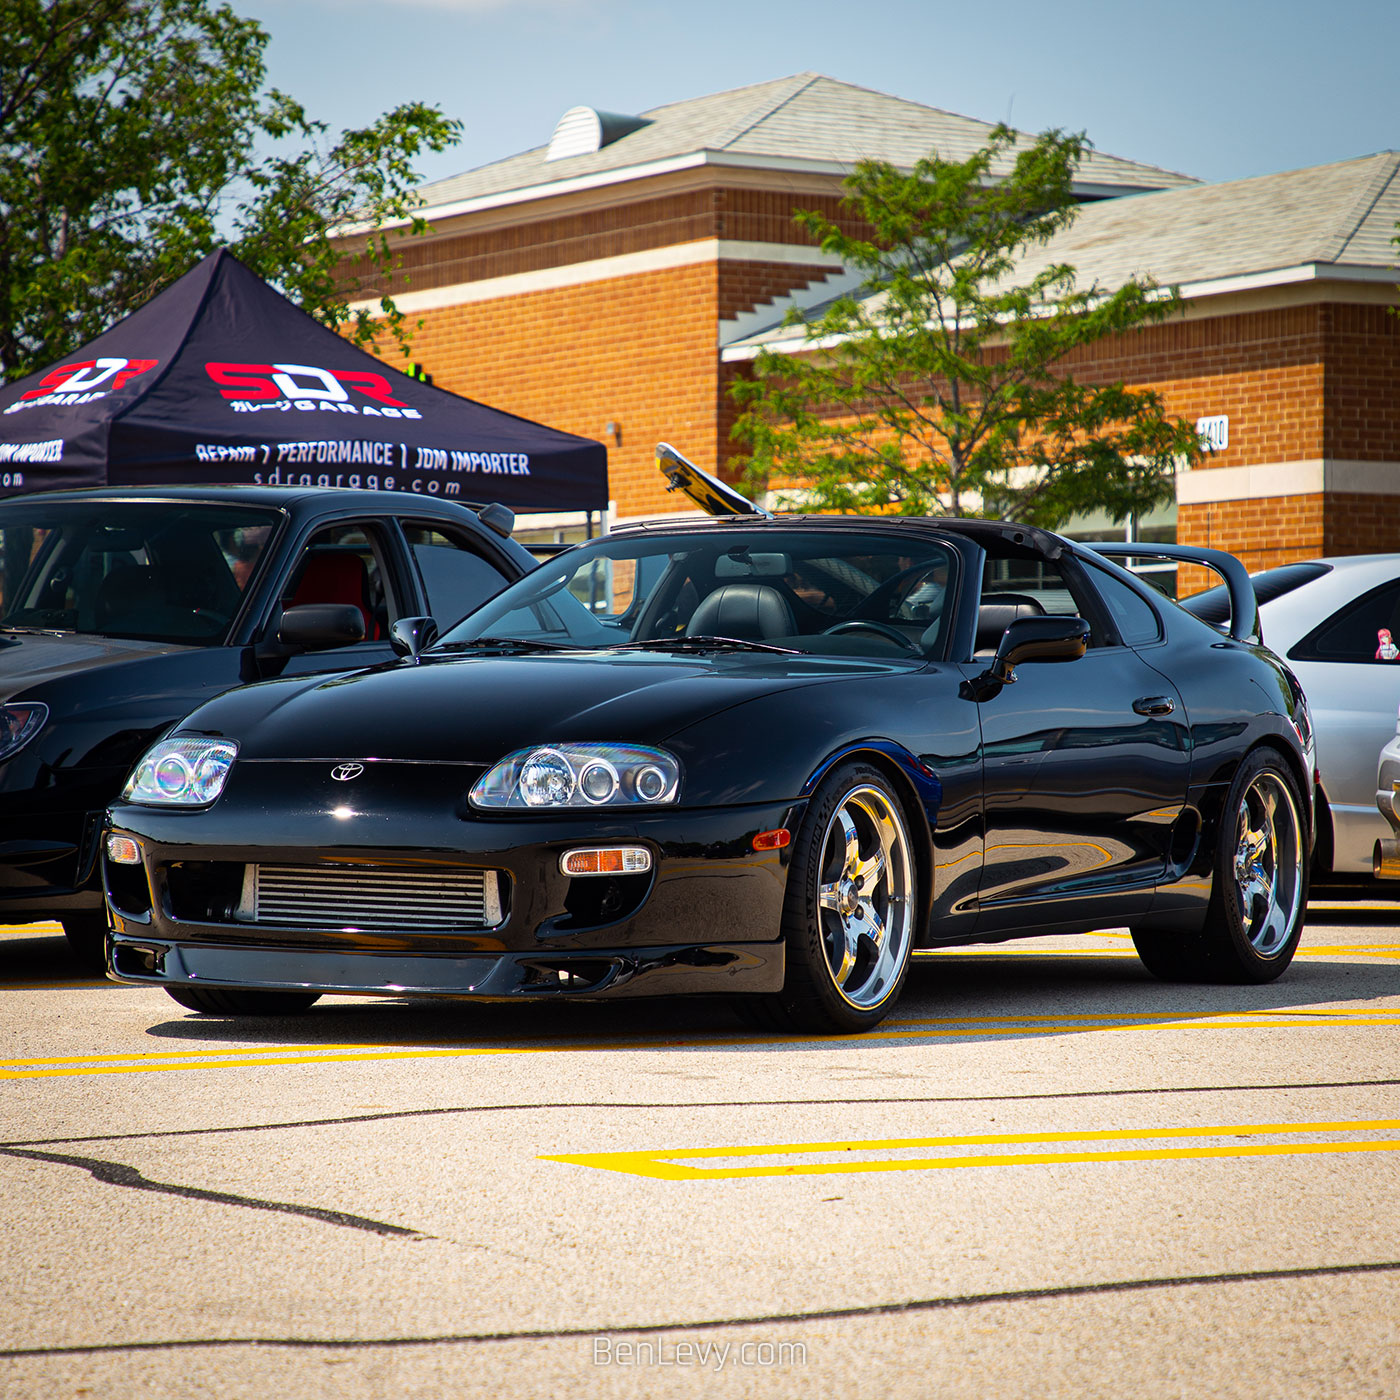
[{"x": 881, "y": 629}]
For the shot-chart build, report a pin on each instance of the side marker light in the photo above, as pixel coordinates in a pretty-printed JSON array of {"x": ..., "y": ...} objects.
[{"x": 772, "y": 840}]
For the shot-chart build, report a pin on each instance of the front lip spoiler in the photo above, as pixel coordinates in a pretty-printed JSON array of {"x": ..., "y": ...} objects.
[{"x": 680, "y": 969}]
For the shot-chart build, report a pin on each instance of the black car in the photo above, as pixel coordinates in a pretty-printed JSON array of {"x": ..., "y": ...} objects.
[
  {"x": 742, "y": 756},
  {"x": 121, "y": 610}
]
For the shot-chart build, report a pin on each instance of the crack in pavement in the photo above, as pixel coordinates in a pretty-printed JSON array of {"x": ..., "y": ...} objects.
[
  {"x": 695, "y": 1103},
  {"x": 119, "y": 1174},
  {"x": 912, "y": 1305}
]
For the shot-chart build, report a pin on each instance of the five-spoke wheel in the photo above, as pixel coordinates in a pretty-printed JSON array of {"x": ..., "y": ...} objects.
[
  {"x": 1255, "y": 915},
  {"x": 851, "y": 907}
]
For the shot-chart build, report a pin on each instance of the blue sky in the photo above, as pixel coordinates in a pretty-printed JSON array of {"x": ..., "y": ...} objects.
[{"x": 1218, "y": 90}]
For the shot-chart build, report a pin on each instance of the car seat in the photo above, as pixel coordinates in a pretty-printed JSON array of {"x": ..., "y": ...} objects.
[
  {"x": 749, "y": 611},
  {"x": 336, "y": 576},
  {"x": 997, "y": 612}
]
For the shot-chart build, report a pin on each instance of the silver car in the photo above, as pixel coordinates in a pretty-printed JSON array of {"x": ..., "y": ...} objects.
[{"x": 1337, "y": 621}]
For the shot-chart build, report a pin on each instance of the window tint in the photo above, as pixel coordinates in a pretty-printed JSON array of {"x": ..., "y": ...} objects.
[
  {"x": 1136, "y": 620},
  {"x": 456, "y": 577},
  {"x": 342, "y": 564},
  {"x": 164, "y": 571},
  {"x": 1364, "y": 631}
]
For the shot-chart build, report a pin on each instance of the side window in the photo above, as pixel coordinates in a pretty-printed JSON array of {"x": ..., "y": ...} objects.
[
  {"x": 455, "y": 577},
  {"x": 1134, "y": 615},
  {"x": 1027, "y": 586},
  {"x": 1364, "y": 631},
  {"x": 345, "y": 564}
]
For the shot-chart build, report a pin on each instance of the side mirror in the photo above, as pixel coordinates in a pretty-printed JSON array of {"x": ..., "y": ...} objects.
[
  {"x": 1031, "y": 639},
  {"x": 316, "y": 626},
  {"x": 411, "y": 636}
]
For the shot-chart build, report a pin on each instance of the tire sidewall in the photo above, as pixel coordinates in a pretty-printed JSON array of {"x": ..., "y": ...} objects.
[
  {"x": 810, "y": 994},
  {"x": 1224, "y": 921}
]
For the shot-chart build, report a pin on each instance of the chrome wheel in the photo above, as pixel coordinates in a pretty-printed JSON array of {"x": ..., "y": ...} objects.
[
  {"x": 1268, "y": 864},
  {"x": 864, "y": 896}
]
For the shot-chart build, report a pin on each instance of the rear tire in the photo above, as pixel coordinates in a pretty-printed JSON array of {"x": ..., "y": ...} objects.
[
  {"x": 1260, "y": 890},
  {"x": 86, "y": 933},
  {"x": 232, "y": 1001},
  {"x": 849, "y": 912}
]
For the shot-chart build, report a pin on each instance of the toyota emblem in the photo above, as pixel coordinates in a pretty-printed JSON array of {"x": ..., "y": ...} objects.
[{"x": 343, "y": 772}]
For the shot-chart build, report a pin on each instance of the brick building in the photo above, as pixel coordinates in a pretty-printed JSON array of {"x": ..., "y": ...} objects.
[
  {"x": 613, "y": 282},
  {"x": 595, "y": 282}
]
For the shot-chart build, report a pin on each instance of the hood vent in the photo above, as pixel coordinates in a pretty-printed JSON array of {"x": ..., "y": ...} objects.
[{"x": 582, "y": 130}]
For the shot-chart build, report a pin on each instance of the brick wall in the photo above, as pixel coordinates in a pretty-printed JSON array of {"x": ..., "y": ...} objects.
[
  {"x": 664, "y": 221},
  {"x": 638, "y": 351}
]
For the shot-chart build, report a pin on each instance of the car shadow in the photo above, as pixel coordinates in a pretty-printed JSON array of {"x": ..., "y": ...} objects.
[
  {"x": 37, "y": 956},
  {"x": 968, "y": 997}
]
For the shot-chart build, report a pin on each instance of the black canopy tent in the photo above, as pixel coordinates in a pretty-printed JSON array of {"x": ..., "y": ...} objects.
[{"x": 222, "y": 379}]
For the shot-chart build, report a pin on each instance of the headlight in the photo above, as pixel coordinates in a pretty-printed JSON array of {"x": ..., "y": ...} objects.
[
  {"x": 181, "y": 773},
  {"x": 18, "y": 725},
  {"x": 580, "y": 775}
]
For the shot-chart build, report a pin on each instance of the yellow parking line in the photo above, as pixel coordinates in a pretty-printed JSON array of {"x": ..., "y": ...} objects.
[
  {"x": 674, "y": 1165},
  {"x": 927, "y": 1029}
]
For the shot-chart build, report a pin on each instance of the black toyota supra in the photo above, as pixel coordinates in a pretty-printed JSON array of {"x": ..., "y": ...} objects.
[{"x": 760, "y": 757}]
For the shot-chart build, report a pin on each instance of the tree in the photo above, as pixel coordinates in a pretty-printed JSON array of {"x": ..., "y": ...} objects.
[
  {"x": 940, "y": 386},
  {"x": 137, "y": 135}
]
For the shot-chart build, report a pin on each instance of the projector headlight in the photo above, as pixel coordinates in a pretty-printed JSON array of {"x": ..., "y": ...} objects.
[
  {"x": 580, "y": 775},
  {"x": 181, "y": 773}
]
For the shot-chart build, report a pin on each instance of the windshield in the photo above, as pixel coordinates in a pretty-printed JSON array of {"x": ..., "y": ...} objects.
[
  {"x": 826, "y": 592},
  {"x": 164, "y": 571}
]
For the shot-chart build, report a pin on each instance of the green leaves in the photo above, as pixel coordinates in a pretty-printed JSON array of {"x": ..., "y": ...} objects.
[
  {"x": 136, "y": 136},
  {"x": 945, "y": 386}
]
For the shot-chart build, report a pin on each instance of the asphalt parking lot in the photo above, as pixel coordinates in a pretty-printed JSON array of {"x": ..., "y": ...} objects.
[{"x": 1047, "y": 1175}]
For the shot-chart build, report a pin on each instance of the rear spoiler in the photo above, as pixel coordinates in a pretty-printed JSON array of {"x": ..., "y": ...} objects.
[
  {"x": 1244, "y": 607},
  {"x": 708, "y": 492}
]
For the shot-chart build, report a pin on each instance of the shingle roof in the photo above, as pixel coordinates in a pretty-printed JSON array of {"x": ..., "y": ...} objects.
[
  {"x": 804, "y": 118},
  {"x": 1342, "y": 215}
]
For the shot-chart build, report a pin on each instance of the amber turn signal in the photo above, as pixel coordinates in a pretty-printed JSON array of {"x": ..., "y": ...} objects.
[{"x": 606, "y": 860}]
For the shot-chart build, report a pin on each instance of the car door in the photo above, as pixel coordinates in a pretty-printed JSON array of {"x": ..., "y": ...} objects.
[
  {"x": 1085, "y": 763},
  {"x": 349, "y": 562},
  {"x": 1349, "y": 667}
]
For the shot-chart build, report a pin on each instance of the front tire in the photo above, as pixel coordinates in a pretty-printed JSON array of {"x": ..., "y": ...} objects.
[
  {"x": 1260, "y": 890},
  {"x": 850, "y": 908},
  {"x": 232, "y": 1001}
]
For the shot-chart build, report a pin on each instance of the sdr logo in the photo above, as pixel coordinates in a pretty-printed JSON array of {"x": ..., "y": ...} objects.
[
  {"x": 85, "y": 377},
  {"x": 308, "y": 388}
]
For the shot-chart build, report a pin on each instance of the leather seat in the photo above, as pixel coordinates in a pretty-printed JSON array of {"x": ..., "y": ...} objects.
[
  {"x": 997, "y": 612},
  {"x": 748, "y": 611}
]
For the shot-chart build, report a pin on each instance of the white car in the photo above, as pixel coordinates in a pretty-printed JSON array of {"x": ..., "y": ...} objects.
[{"x": 1337, "y": 623}]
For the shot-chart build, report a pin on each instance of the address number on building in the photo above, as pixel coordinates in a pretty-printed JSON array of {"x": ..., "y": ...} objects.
[{"x": 1214, "y": 432}]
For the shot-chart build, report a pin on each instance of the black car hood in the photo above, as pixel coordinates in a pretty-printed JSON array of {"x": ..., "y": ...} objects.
[
  {"x": 28, "y": 659},
  {"x": 481, "y": 708}
]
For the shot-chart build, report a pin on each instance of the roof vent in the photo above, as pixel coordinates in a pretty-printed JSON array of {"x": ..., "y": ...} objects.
[{"x": 582, "y": 130}]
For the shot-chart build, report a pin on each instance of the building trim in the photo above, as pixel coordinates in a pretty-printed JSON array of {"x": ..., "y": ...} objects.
[
  {"x": 1310, "y": 477},
  {"x": 547, "y": 279},
  {"x": 1364, "y": 282},
  {"x": 731, "y": 160}
]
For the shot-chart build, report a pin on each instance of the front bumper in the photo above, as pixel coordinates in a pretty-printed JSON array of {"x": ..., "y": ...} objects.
[
  {"x": 1385, "y": 861},
  {"x": 705, "y": 920}
]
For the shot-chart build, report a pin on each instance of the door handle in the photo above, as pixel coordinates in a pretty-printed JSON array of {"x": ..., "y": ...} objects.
[{"x": 1154, "y": 705}]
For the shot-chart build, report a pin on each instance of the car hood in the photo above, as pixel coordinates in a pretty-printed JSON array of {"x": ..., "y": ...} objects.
[
  {"x": 28, "y": 659},
  {"x": 479, "y": 709}
]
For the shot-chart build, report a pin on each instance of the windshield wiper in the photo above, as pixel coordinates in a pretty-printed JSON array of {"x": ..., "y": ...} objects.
[
  {"x": 504, "y": 644},
  {"x": 703, "y": 643}
]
